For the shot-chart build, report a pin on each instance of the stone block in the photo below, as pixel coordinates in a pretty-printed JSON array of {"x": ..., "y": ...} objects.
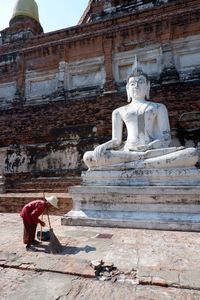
[
  {"x": 150, "y": 207},
  {"x": 143, "y": 177}
]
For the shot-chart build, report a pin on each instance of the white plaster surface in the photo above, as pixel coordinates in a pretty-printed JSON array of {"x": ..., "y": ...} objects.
[
  {"x": 143, "y": 177},
  {"x": 169, "y": 208},
  {"x": 186, "y": 53},
  {"x": 40, "y": 84},
  {"x": 84, "y": 73},
  {"x": 20, "y": 160},
  {"x": 2, "y": 158},
  {"x": 148, "y": 138},
  {"x": 183, "y": 53},
  {"x": 61, "y": 159},
  {"x": 149, "y": 57},
  {"x": 7, "y": 93}
]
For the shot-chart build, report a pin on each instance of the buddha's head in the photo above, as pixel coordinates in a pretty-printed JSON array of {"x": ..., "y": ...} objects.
[{"x": 138, "y": 86}]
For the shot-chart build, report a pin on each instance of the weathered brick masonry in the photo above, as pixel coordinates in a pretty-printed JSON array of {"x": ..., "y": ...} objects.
[
  {"x": 60, "y": 88},
  {"x": 56, "y": 121}
]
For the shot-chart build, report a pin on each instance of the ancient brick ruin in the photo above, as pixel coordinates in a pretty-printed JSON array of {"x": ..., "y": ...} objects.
[{"x": 58, "y": 89}]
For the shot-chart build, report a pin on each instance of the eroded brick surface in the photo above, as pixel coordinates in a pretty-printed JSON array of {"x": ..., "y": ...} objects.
[{"x": 47, "y": 135}]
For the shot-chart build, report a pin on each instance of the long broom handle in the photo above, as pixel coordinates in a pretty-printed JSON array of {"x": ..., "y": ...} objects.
[
  {"x": 42, "y": 220},
  {"x": 48, "y": 219},
  {"x": 47, "y": 213},
  {"x": 41, "y": 229}
]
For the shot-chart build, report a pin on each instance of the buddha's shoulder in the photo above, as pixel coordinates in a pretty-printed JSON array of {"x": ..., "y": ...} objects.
[
  {"x": 156, "y": 105},
  {"x": 121, "y": 109}
]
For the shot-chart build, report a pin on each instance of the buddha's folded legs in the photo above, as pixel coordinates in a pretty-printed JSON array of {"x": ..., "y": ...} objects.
[
  {"x": 111, "y": 157},
  {"x": 180, "y": 159},
  {"x": 159, "y": 158}
]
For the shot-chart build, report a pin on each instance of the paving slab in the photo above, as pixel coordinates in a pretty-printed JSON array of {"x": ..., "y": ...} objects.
[
  {"x": 165, "y": 264},
  {"x": 19, "y": 284},
  {"x": 43, "y": 286}
]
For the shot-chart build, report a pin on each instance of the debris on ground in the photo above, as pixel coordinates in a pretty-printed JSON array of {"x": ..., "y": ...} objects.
[{"x": 105, "y": 271}]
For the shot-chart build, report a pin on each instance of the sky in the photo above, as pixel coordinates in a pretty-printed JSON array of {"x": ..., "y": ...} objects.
[{"x": 53, "y": 14}]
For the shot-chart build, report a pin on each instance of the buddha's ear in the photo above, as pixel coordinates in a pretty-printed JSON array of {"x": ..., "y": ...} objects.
[
  {"x": 128, "y": 94},
  {"x": 148, "y": 90}
]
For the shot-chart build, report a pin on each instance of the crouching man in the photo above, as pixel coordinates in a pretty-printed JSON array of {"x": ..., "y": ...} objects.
[{"x": 30, "y": 214}]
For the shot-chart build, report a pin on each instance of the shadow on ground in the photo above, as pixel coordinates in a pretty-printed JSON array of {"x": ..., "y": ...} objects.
[{"x": 66, "y": 250}]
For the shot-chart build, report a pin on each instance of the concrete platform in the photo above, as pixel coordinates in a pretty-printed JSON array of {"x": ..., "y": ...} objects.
[
  {"x": 159, "y": 265},
  {"x": 148, "y": 207}
]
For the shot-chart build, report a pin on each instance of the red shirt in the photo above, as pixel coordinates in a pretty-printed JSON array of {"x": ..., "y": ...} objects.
[{"x": 31, "y": 211}]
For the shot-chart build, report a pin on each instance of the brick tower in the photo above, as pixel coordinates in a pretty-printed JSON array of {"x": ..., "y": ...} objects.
[{"x": 24, "y": 23}]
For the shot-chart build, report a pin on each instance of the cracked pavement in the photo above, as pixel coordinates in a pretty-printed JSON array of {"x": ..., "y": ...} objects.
[{"x": 166, "y": 264}]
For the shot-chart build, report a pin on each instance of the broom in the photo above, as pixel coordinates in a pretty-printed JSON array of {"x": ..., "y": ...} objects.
[{"x": 54, "y": 245}]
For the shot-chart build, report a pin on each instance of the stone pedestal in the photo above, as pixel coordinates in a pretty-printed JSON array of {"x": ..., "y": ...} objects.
[
  {"x": 166, "y": 199},
  {"x": 143, "y": 177},
  {"x": 149, "y": 207},
  {"x": 2, "y": 186}
]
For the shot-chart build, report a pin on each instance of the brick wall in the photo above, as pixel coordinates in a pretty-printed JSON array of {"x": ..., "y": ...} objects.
[
  {"x": 13, "y": 204},
  {"x": 59, "y": 121},
  {"x": 83, "y": 121}
]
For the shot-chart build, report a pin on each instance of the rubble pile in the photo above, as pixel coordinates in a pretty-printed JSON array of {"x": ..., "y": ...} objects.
[{"x": 107, "y": 271}]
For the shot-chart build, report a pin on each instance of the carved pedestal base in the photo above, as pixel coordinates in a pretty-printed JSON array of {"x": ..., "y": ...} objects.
[
  {"x": 143, "y": 177},
  {"x": 167, "y": 208},
  {"x": 151, "y": 199}
]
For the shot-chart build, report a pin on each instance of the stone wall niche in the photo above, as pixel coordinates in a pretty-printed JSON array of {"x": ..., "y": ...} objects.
[
  {"x": 186, "y": 56},
  {"x": 39, "y": 86},
  {"x": 7, "y": 94},
  {"x": 85, "y": 75},
  {"x": 149, "y": 58},
  {"x": 41, "y": 158}
]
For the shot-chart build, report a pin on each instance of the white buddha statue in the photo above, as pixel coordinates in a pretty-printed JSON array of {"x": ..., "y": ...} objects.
[{"x": 148, "y": 135}]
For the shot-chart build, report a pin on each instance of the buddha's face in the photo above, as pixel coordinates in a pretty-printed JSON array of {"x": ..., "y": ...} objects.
[{"x": 138, "y": 87}]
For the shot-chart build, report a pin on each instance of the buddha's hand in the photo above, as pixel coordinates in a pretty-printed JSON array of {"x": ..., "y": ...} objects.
[{"x": 99, "y": 151}]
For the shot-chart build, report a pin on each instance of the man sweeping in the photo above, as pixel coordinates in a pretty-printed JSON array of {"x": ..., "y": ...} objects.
[{"x": 30, "y": 214}]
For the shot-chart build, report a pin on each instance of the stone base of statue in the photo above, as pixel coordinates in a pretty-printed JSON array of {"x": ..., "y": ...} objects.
[
  {"x": 151, "y": 199},
  {"x": 143, "y": 177}
]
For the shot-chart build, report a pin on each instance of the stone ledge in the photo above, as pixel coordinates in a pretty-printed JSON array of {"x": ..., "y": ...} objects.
[
  {"x": 76, "y": 218},
  {"x": 162, "y": 208},
  {"x": 143, "y": 177},
  {"x": 13, "y": 202}
]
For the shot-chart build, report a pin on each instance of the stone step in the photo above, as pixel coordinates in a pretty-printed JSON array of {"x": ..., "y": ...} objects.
[
  {"x": 147, "y": 207},
  {"x": 134, "y": 219},
  {"x": 36, "y": 190},
  {"x": 142, "y": 177},
  {"x": 2, "y": 185},
  {"x": 13, "y": 202},
  {"x": 47, "y": 184}
]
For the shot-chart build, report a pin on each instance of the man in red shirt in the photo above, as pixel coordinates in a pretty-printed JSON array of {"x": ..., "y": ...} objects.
[{"x": 30, "y": 214}]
